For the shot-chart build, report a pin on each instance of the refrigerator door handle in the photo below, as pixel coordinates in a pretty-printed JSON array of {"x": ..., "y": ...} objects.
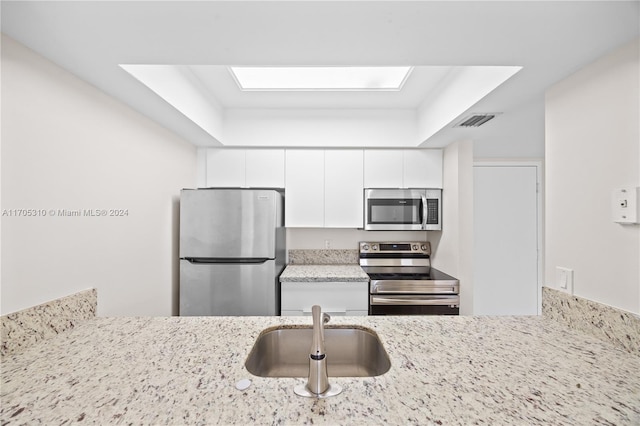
[{"x": 223, "y": 260}]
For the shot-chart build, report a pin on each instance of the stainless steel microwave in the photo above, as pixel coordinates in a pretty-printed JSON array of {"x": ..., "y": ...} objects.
[{"x": 403, "y": 209}]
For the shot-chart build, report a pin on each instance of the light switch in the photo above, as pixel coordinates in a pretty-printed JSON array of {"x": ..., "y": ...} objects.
[
  {"x": 625, "y": 205},
  {"x": 564, "y": 279}
]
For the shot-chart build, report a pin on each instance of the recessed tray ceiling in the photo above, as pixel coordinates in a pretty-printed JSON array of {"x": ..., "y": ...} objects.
[{"x": 438, "y": 94}]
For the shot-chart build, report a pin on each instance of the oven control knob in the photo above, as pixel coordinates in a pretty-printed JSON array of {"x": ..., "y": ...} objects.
[
  {"x": 374, "y": 247},
  {"x": 415, "y": 247},
  {"x": 365, "y": 247},
  {"x": 423, "y": 247}
]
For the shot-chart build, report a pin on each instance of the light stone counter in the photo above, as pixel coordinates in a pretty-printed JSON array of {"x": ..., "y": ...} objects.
[
  {"x": 323, "y": 273},
  {"x": 445, "y": 370}
]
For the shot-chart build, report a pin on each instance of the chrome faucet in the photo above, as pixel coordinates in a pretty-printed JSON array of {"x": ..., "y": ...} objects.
[{"x": 318, "y": 383}]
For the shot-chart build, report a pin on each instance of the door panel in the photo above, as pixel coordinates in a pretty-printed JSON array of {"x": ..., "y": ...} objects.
[
  {"x": 505, "y": 268},
  {"x": 228, "y": 223},
  {"x": 229, "y": 289}
]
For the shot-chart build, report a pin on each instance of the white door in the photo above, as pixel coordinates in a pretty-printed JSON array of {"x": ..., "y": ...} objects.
[{"x": 505, "y": 267}]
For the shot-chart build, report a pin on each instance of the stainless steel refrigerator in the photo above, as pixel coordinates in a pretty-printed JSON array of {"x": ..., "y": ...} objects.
[{"x": 232, "y": 251}]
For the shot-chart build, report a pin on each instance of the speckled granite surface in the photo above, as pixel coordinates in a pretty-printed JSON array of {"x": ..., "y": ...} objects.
[
  {"x": 24, "y": 328},
  {"x": 324, "y": 257},
  {"x": 444, "y": 370},
  {"x": 323, "y": 273},
  {"x": 616, "y": 326}
]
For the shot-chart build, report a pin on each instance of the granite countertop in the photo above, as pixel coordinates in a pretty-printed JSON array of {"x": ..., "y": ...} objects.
[
  {"x": 444, "y": 370},
  {"x": 323, "y": 273}
]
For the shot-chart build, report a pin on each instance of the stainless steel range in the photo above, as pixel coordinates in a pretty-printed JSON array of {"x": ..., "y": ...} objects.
[{"x": 403, "y": 281}]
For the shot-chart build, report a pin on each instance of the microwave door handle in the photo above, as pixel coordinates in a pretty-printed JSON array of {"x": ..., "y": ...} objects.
[{"x": 424, "y": 211}]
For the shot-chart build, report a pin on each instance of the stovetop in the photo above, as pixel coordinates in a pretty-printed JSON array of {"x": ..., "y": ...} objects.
[
  {"x": 400, "y": 261},
  {"x": 427, "y": 274}
]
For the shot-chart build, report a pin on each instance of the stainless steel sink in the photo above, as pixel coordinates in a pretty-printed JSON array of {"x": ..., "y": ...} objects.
[{"x": 351, "y": 352}]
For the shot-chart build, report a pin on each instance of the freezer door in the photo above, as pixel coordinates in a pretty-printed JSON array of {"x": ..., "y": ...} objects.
[
  {"x": 230, "y": 223},
  {"x": 215, "y": 289}
]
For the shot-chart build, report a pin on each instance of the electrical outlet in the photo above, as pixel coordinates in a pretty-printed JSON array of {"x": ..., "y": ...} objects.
[
  {"x": 327, "y": 244},
  {"x": 564, "y": 279}
]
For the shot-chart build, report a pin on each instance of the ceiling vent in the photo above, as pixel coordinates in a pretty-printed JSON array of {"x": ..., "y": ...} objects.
[{"x": 476, "y": 120}]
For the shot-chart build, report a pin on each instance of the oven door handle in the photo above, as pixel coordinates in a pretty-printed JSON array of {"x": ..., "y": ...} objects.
[{"x": 416, "y": 301}]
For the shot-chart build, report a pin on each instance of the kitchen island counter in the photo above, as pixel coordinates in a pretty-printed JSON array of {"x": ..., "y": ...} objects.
[
  {"x": 444, "y": 370},
  {"x": 323, "y": 273}
]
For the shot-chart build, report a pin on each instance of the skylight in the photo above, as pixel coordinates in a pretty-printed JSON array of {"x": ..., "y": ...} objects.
[{"x": 320, "y": 78}]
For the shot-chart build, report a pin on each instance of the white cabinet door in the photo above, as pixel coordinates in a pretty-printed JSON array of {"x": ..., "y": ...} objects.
[
  {"x": 383, "y": 168},
  {"x": 304, "y": 188},
  {"x": 343, "y": 189},
  {"x": 335, "y": 298},
  {"x": 422, "y": 168},
  {"x": 240, "y": 168},
  {"x": 408, "y": 168},
  {"x": 226, "y": 167},
  {"x": 265, "y": 168}
]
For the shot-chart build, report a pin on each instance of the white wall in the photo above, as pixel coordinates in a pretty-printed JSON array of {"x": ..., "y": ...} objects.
[
  {"x": 180, "y": 88},
  {"x": 320, "y": 128},
  {"x": 520, "y": 133},
  {"x": 66, "y": 145},
  {"x": 592, "y": 147},
  {"x": 453, "y": 247},
  {"x": 315, "y": 238},
  {"x": 462, "y": 88}
]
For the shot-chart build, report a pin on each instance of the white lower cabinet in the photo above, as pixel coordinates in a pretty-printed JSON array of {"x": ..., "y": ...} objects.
[{"x": 335, "y": 298}]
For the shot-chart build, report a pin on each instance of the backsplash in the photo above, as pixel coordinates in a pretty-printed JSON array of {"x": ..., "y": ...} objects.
[
  {"x": 323, "y": 257},
  {"x": 25, "y": 328},
  {"x": 616, "y": 326}
]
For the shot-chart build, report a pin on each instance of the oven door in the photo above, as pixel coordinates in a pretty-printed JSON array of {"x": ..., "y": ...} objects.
[{"x": 425, "y": 304}]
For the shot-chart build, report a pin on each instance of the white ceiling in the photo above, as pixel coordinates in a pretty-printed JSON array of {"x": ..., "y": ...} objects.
[{"x": 549, "y": 40}]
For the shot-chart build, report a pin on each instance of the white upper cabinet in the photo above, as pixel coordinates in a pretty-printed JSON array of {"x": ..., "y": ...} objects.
[
  {"x": 304, "y": 188},
  {"x": 265, "y": 168},
  {"x": 324, "y": 188},
  {"x": 403, "y": 168},
  {"x": 383, "y": 168},
  {"x": 422, "y": 168},
  {"x": 343, "y": 188},
  {"x": 242, "y": 168},
  {"x": 225, "y": 167}
]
